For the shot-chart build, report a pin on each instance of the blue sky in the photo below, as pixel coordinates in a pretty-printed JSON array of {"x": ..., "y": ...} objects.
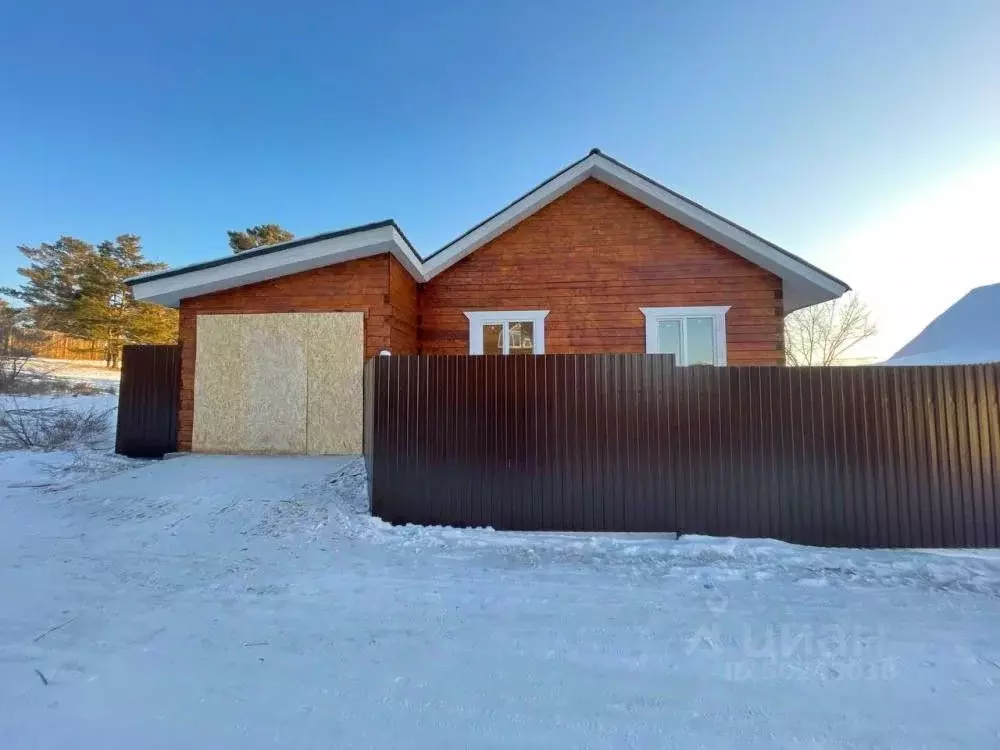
[{"x": 805, "y": 121}]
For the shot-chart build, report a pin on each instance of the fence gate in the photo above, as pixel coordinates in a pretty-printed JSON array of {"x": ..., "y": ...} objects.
[{"x": 148, "y": 401}]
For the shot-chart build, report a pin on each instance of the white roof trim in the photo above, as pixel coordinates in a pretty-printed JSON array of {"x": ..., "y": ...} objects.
[
  {"x": 516, "y": 212},
  {"x": 803, "y": 284},
  {"x": 304, "y": 254}
]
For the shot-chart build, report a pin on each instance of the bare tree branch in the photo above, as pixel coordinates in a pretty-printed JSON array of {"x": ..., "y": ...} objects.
[{"x": 823, "y": 334}]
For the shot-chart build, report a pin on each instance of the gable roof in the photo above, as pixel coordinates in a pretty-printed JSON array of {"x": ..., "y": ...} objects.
[{"x": 804, "y": 284}]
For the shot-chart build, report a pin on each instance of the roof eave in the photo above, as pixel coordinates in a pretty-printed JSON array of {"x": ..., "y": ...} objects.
[{"x": 170, "y": 287}]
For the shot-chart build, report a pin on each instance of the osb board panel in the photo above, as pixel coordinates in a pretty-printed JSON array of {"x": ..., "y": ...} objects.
[
  {"x": 334, "y": 366},
  {"x": 274, "y": 393},
  {"x": 278, "y": 383},
  {"x": 219, "y": 378}
]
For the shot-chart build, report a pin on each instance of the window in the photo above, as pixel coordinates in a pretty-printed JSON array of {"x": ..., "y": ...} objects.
[
  {"x": 694, "y": 335},
  {"x": 507, "y": 332}
]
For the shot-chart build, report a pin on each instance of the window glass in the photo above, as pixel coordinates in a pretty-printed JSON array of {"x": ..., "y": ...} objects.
[
  {"x": 493, "y": 338},
  {"x": 521, "y": 337},
  {"x": 668, "y": 338},
  {"x": 700, "y": 341}
]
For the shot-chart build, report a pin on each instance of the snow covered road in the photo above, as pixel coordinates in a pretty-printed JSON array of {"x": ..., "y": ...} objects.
[{"x": 239, "y": 602}]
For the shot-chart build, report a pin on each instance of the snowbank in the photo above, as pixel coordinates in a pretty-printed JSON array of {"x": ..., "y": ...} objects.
[
  {"x": 952, "y": 356},
  {"x": 965, "y": 333}
]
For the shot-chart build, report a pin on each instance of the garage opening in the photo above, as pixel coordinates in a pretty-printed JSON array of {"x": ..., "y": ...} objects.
[{"x": 279, "y": 383}]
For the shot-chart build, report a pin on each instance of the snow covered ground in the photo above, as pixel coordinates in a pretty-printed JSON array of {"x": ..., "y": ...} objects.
[
  {"x": 81, "y": 371},
  {"x": 37, "y": 469},
  {"x": 251, "y": 602}
]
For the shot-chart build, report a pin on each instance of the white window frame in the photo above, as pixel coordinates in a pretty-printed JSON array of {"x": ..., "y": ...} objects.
[
  {"x": 718, "y": 314},
  {"x": 480, "y": 318}
]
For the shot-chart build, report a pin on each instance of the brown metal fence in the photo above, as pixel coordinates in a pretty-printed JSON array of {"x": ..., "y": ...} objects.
[
  {"x": 860, "y": 456},
  {"x": 148, "y": 400}
]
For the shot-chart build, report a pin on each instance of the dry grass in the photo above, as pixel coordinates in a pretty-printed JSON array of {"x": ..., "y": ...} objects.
[
  {"x": 52, "y": 427},
  {"x": 13, "y": 369}
]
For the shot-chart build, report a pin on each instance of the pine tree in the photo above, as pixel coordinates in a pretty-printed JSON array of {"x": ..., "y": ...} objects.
[
  {"x": 8, "y": 322},
  {"x": 54, "y": 281},
  {"x": 75, "y": 288},
  {"x": 258, "y": 236}
]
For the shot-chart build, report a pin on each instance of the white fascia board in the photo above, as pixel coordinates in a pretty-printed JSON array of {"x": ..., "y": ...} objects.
[
  {"x": 803, "y": 285},
  {"x": 170, "y": 290},
  {"x": 510, "y": 216},
  {"x": 406, "y": 255}
]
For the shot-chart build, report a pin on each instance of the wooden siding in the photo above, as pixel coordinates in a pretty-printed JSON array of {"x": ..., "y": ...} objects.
[
  {"x": 593, "y": 257},
  {"x": 356, "y": 286},
  {"x": 404, "y": 310}
]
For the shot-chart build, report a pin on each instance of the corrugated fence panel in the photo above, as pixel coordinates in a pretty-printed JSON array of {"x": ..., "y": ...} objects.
[
  {"x": 148, "y": 399},
  {"x": 866, "y": 456}
]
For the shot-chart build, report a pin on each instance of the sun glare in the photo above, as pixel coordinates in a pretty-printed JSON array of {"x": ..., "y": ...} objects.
[{"x": 921, "y": 255}]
